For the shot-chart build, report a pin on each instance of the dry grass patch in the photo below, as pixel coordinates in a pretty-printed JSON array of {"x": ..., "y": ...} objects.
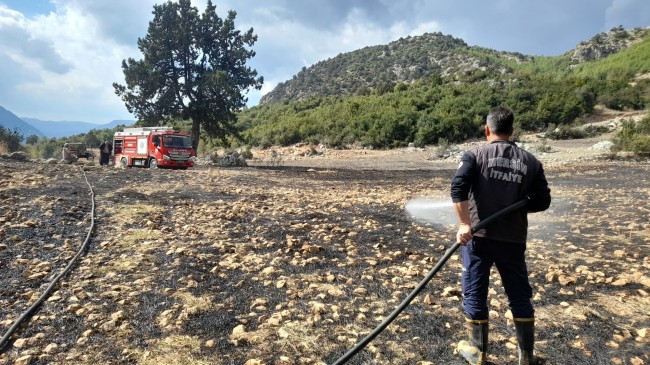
[
  {"x": 173, "y": 350},
  {"x": 134, "y": 236},
  {"x": 190, "y": 305},
  {"x": 193, "y": 304},
  {"x": 134, "y": 250},
  {"x": 124, "y": 263},
  {"x": 296, "y": 340},
  {"x": 124, "y": 214}
]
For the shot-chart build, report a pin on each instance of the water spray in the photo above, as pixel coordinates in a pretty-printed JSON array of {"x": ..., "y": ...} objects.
[
  {"x": 359, "y": 346},
  {"x": 431, "y": 211}
]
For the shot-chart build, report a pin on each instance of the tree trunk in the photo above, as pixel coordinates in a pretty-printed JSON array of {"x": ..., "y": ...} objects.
[{"x": 196, "y": 133}]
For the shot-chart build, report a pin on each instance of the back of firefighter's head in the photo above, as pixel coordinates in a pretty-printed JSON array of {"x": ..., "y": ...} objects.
[{"x": 500, "y": 120}]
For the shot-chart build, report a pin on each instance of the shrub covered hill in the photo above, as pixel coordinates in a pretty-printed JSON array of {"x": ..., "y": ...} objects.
[{"x": 426, "y": 88}]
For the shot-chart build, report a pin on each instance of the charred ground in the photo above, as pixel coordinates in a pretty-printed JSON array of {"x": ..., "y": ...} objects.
[{"x": 291, "y": 265}]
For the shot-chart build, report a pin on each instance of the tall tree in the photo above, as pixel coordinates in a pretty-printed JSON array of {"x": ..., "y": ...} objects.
[{"x": 194, "y": 68}]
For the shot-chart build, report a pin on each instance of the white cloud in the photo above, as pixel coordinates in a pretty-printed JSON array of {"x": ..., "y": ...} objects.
[
  {"x": 287, "y": 46},
  {"x": 22, "y": 47},
  {"x": 123, "y": 21},
  {"x": 75, "y": 64}
]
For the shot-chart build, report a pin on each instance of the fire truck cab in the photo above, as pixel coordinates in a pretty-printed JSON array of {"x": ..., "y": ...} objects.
[{"x": 153, "y": 147}]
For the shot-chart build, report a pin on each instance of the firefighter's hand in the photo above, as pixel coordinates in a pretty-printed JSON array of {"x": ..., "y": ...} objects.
[{"x": 464, "y": 234}]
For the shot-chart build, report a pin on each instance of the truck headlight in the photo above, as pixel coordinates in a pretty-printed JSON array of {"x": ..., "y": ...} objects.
[{"x": 166, "y": 158}]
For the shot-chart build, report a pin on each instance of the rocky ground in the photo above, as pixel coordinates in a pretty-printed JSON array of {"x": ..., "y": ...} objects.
[{"x": 294, "y": 259}]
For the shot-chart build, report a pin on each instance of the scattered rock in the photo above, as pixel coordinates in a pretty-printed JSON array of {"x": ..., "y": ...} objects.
[
  {"x": 51, "y": 348},
  {"x": 21, "y": 342},
  {"x": 117, "y": 316},
  {"x": 641, "y": 333},
  {"x": 254, "y": 362},
  {"x": 566, "y": 280},
  {"x": 604, "y": 146},
  {"x": 23, "y": 360},
  {"x": 450, "y": 292},
  {"x": 283, "y": 333}
]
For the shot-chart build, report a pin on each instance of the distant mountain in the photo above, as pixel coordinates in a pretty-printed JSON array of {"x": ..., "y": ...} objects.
[
  {"x": 11, "y": 122},
  {"x": 59, "y": 129},
  {"x": 429, "y": 56}
]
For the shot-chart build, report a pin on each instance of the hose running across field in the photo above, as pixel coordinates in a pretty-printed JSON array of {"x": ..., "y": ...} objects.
[
  {"x": 5, "y": 339},
  {"x": 358, "y": 347}
]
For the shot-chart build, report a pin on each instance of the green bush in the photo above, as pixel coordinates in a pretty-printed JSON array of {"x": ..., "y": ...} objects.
[
  {"x": 567, "y": 132},
  {"x": 246, "y": 152},
  {"x": 9, "y": 140},
  {"x": 634, "y": 137},
  {"x": 595, "y": 130},
  {"x": 564, "y": 132},
  {"x": 442, "y": 148},
  {"x": 517, "y": 133},
  {"x": 46, "y": 148},
  {"x": 542, "y": 146}
]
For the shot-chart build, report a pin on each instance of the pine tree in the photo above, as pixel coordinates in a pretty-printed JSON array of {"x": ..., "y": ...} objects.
[{"x": 194, "y": 68}]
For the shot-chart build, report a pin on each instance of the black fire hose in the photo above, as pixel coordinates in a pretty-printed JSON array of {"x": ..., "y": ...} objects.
[
  {"x": 391, "y": 317},
  {"x": 5, "y": 339}
]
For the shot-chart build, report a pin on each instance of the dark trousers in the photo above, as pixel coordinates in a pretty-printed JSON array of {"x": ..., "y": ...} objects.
[
  {"x": 478, "y": 257},
  {"x": 103, "y": 158}
]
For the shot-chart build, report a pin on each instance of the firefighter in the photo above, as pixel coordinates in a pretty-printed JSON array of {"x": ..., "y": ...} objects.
[
  {"x": 489, "y": 178},
  {"x": 105, "y": 150}
]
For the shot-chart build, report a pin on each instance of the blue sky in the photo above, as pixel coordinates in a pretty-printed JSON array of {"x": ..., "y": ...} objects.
[{"x": 59, "y": 58}]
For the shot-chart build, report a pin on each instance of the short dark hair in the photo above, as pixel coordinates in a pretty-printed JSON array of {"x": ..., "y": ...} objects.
[{"x": 500, "y": 120}]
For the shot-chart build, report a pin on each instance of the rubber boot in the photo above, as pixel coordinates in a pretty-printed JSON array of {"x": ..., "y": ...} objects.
[
  {"x": 475, "y": 350},
  {"x": 525, "y": 329}
]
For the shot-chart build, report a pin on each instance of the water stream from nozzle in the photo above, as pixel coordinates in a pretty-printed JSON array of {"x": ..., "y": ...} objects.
[{"x": 433, "y": 211}]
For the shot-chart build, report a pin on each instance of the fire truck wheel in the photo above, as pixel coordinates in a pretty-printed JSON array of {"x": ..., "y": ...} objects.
[
  {"x": 153, "y": 164},
  {"x": 123, "y": 162}
]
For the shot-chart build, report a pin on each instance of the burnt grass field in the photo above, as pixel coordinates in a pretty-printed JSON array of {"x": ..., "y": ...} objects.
[{"x": 290, "y": 265}]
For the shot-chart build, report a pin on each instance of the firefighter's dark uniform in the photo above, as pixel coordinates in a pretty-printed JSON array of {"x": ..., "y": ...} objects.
[{"x": 492, "y": 177}]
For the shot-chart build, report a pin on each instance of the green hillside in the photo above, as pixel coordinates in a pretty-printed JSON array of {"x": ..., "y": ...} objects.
[
  {"x": 452, "y": 93},
  {"x": 626, "y": 64},
  {"x": 379, "y": 68}
]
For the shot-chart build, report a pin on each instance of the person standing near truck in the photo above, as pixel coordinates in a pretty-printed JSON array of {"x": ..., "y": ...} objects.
[
  {"x": 489, "y": 178},
  {"x": 105, "y": 150}
]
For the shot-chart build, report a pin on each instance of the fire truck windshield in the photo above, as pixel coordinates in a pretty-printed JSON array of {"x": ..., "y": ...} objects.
[{"x": 174, "y": 141}]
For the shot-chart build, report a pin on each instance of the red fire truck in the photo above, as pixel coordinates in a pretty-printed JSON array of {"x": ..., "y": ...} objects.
[{"x": 153, "y": 147}]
